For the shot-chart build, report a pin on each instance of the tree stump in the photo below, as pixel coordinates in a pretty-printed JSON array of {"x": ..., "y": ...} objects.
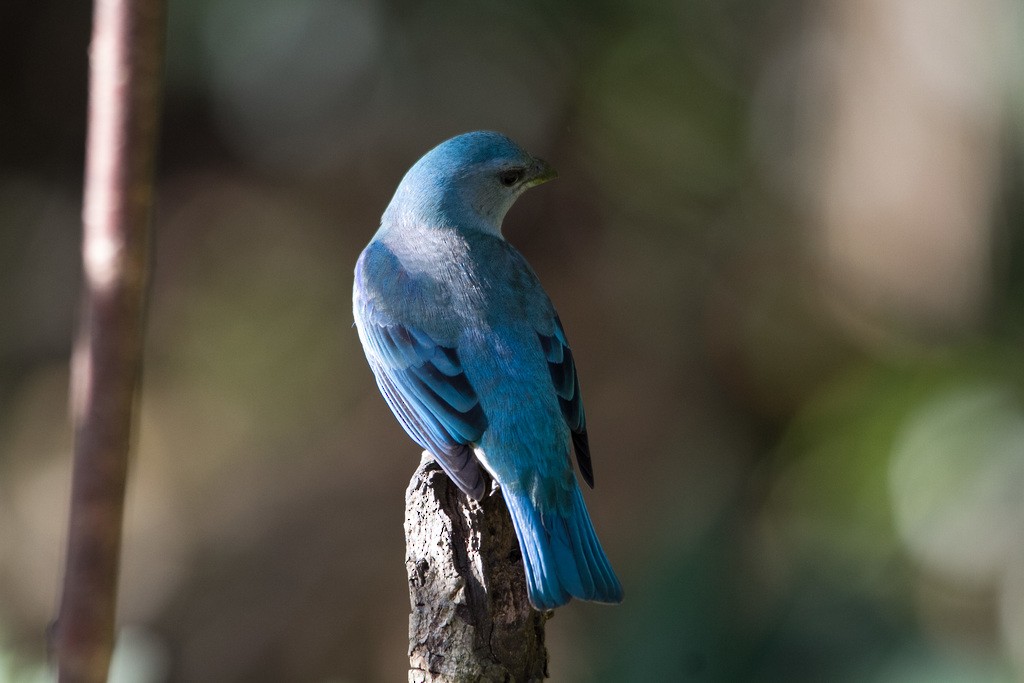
[{"x": 471, "y": 619}]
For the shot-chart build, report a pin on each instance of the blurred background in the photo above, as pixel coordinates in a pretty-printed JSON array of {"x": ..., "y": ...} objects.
[{"x": 787, "y": 242}]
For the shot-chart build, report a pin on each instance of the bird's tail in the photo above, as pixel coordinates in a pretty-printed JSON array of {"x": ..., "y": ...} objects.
[{"x": 562, "y": 555}]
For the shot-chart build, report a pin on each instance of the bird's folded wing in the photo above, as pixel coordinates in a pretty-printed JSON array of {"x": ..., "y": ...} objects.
[
  {"x": 567, "y": 387},
  {"x": 427, "y": 389}
]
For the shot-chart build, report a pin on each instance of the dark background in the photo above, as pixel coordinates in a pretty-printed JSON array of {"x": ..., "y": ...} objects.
[{"x": 785, "y": 242}]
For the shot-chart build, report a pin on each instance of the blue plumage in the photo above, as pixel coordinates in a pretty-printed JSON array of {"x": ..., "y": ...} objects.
[{"x": 471, "y": 357}]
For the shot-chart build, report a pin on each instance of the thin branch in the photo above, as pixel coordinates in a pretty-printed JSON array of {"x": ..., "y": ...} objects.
[{"x": 126, "y": 63}]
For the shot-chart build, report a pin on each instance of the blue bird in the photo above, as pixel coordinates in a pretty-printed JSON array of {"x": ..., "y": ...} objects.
[{"x": 470, "y": 355}]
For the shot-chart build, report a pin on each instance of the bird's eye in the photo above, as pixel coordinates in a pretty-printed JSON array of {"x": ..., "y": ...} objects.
[{"x": 510, "y": 177}]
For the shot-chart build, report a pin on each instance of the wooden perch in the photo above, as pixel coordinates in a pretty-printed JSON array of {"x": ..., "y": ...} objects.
[{"x": 471, "y": 619}]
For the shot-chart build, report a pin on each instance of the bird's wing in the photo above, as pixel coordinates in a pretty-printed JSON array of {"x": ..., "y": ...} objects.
[
  {"x": 427, "y": 389},
  {"x": 536, "y": 306},
  {"x": 567, "y": 387}
]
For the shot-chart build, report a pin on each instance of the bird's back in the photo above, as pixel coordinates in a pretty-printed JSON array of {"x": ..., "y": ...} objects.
[
  {"x": 449, "y": 282},
  {"x": 477, "y": 294}
]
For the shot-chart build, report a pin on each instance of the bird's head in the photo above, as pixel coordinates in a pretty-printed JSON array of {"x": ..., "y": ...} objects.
[{"x": 467, "y": 182}]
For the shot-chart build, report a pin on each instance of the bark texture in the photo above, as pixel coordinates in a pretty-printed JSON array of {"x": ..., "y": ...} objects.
[{"x": 471, "y": 619}]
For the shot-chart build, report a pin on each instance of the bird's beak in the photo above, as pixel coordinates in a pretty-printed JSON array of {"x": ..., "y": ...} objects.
[{"x": 540, "y": 172}]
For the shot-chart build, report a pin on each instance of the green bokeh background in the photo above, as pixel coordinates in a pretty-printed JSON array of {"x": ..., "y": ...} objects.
[{"x": 785, "y": 241}]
